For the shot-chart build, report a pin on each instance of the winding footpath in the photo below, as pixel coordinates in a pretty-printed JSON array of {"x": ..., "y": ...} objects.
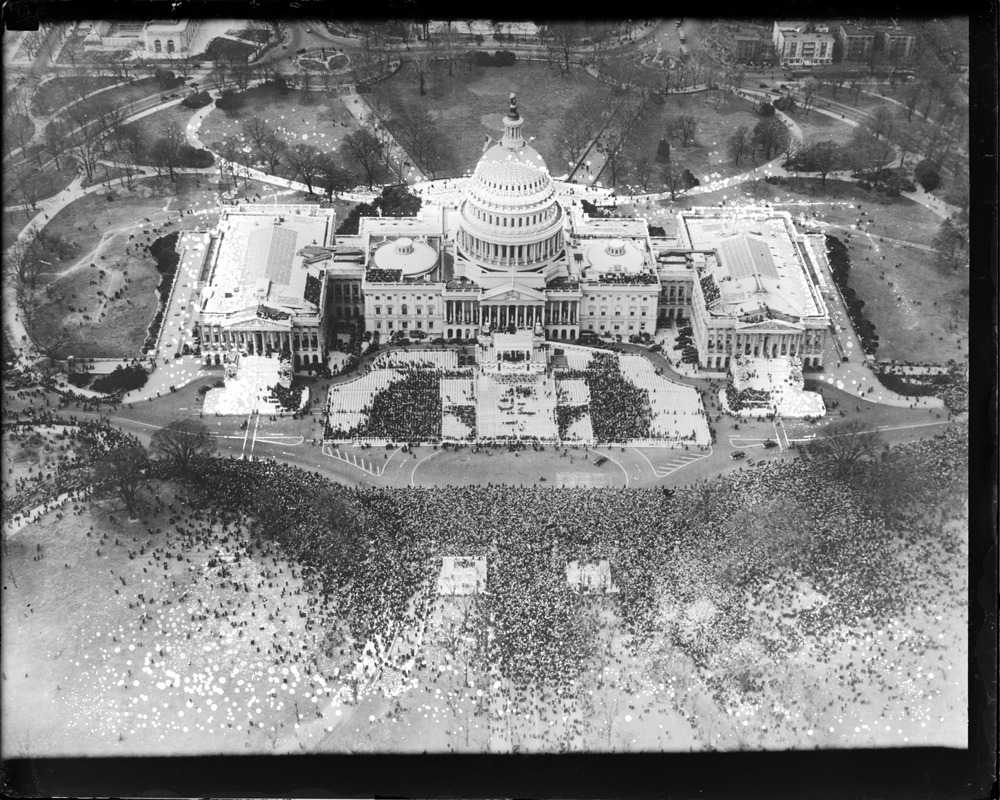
[{"x": 178, "y": 372}]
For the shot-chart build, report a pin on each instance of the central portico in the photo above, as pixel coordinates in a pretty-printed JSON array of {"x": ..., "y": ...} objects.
[{"x": 512, "y": 305}]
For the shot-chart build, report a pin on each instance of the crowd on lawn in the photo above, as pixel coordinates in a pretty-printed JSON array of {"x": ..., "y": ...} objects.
[
  {"x": 688, "y": 562},
  {"x": 75, "y": 445}
]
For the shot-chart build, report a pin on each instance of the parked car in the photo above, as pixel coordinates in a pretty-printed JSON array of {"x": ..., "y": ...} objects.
[
  {"x": 418, "y": 334},
  {"x": 763, "y": 86},
  {"x": 770, "y": 443},
  {"x": 635, "y": 339},
  {"x": 656, "y": 348},
  {"x": 738, "y": 455}
]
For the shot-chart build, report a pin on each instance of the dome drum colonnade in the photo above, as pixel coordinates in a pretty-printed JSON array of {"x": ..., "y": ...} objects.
[{"x": 510, "y": 218}]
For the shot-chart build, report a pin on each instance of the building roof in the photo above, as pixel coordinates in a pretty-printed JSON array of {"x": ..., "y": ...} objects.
[
  {"x": 413, "y": 258},
  {"x": 614, "y": 256},
  {"x": 758, "y": 266},
  {"x": 855, "y": 30},
  {"x": 261, "y": 259}
]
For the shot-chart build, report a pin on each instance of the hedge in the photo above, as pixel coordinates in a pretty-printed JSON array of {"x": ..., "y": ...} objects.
[
  {"x": 164, "y": 250},
  {"x": 123, "y": 379},
  {"x": 197, "y": 100}
]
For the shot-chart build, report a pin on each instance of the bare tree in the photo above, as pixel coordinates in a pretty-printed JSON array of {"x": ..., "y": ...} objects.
[
  {"x": 123, "y": 473},
  {"x": 868, "y": 154},
  {"x": 50, "y": 337},
  {"x": 421, "y": 62},
  {"x": 257, "y": 131},
  {"x": 952, "y": 240},
  {"x": 271, "y": 149},
  {"x": 739, "y": 144},
  {"x": 181, "y": 442},
  {"x": 332, "y": 176},
  {"x": 564, "y": 39},
  {"x": 809, "y": 90},
  {"x": 684, "y": 128},
  {"x": 880, "y": 122},
  {"x": 673, "y": 179},
  {"x": 642, "y": 171},
  {"x": 365, "y": 148},
  {"x": 771, "y": 135},
  {"x": 576, "y": 133},
  {"x": 304, "y": 159},
  {"x": 420, "y": 137},
  {"x": 822, "y": 157},
  {"x": 846, "y": 442}
]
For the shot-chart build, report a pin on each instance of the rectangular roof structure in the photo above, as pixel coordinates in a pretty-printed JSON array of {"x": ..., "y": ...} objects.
[
  {"x": 261, "y": 258},
  {"x": 758, "y": 262},
  {"x": 462, "y": 575}
]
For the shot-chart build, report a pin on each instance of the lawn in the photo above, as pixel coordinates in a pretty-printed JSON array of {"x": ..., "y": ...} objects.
[
  {"x": 470, "y": 105},
  {"x": 707, "y": 156},
  {"x": 316, "y": 118},
  {"x": 95, "y": 654},
  {"x": 152, "y": 125},
  {"x": 98, "y": 232},
  {"x": 59, "y": 91},
  {"x": 930, "y": 322},
  {"x": 818, "y": 127},
  {"x": 47, "y": 182}
]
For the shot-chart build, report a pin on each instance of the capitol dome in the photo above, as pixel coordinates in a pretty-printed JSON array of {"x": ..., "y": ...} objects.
[{"x": 510, "y": 218}]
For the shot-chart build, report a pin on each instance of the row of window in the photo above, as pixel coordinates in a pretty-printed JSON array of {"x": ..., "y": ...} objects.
[
  {"x": 508, "y": 222},
  {"x": 641, "y": 327},
  {"x": 404, "y": 325},
  {"x": 404, "y": 310}
]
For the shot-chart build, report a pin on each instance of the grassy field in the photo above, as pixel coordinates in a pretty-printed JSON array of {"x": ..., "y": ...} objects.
[
  {"x": 470, "y": 105},
  {"x": 818, "y": 127},
  {"x": 103, "y": 672},
  {"x": 151, "y": 126},
  {"x": 53, "y": 95},
  {"x": 920, "y": 308},
  {"x": 316, "y": 118},
  {"x": 706, "y": 157},
  {"x": 99, "y": 232}
]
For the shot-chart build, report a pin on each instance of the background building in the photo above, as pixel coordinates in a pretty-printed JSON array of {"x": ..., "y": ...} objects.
[
  {"x": 803, "y": 44},
  {"x": 854, "y": 44}
]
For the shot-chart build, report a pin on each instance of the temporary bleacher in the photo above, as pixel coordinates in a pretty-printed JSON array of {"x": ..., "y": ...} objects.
[
  {"x": 405, "y": 359},
  {"x": 347, "y": 403},
  {"x": 573, "y": 392}
]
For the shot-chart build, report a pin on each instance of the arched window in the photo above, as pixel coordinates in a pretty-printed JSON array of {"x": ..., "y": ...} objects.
[
  {"x": 404, "y": 312},
  {"x": 158, "y": 46},
  {"x": 170, "y": 45}
]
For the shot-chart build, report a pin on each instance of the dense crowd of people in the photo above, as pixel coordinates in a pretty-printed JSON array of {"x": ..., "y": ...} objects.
[
  {"x": 74, "y": 446},
  {"x": 753, "y": 536}
]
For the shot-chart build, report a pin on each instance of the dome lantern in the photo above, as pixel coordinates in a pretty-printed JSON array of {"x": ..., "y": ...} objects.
[{"x": 512, "y": 127}]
